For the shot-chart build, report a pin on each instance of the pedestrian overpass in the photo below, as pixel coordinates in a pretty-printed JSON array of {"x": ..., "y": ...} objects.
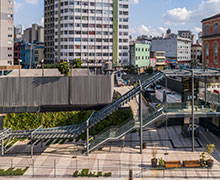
[{"x": 143, "y": 119}]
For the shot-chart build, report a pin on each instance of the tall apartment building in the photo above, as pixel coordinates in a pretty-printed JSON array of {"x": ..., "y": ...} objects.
[
  {"x": 94, "y": 31},
  {"x": 49, "y": 31},
  {"x": 6, "y": 32}
]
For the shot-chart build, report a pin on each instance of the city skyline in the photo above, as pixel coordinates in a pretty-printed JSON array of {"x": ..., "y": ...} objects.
[{"x": 172, "y": 14}]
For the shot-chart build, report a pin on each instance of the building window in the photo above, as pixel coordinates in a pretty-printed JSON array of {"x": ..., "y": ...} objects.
[
  {"x": 207, "y": 50},
  {"x": 216, "y": 49},
  {"x": 207, "y": 30},
  {"x": 216, "y": 28}
]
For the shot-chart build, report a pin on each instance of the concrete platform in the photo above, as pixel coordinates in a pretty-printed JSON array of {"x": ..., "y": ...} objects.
[{"x": 119, "y": 157}]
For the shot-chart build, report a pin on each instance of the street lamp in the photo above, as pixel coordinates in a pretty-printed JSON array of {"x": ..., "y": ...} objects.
[
  {"x": 42, "y": 65},
  {"x": 19, "y": 63},
  {"x": 70, "y": 82}
]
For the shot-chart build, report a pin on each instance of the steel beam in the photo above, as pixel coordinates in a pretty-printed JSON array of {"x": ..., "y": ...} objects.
[
  {"x": 205, "y": 90},
  {"x": 87, "y": 134}
]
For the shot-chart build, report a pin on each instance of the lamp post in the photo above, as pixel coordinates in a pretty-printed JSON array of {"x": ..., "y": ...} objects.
[
  {"x": 70, "y": 83},
  {"x": 42, "y": 64},
  {"x": 19, "y": 63}
]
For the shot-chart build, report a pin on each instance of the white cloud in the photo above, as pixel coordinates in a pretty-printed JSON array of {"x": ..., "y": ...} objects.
[
  {"x": 134, "y": 1},
  {"x": 32, "y": 1},
  {"x": 18, "y": 6},
  {"x": 177, "y": 16},
  {"x": 143, "y": 30},
  {"x": 182, "y": 15},
  {"x": 197, "y": 29},
  {"x": 147, "y": 30},
  {"x": 42, "y": 21}
]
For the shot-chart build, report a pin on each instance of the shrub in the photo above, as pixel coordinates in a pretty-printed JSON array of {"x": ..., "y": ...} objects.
[
  {"x": 10, "y": 171},
  {"x": 75, "y": 174},
  {"x": 64, "y": 68},
  {"x": 84, "y": 172},
  {"x": 109, "y": 174},
  {"x": 99, "y": 174}
]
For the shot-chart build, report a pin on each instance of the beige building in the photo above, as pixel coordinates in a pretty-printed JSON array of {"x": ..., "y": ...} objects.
[
  {"x": 6, "y": 32},
  {"x": 160, "y": 59},
  {"x": 34, "y": 34},
  {"x": 38, "y": 54}
]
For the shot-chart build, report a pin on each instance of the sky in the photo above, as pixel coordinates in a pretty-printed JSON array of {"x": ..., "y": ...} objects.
[{"x": 148, "y": 17}]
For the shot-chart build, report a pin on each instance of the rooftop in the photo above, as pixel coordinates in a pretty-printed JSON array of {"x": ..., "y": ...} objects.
[
  {"x": 212, "y": 17},
  {"x": 47, "y": 73}
]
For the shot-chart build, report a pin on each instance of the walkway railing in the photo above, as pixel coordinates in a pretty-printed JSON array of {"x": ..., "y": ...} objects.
[{"x": 118, "y": 168}]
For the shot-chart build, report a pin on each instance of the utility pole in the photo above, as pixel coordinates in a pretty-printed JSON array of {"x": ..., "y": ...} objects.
[
  {"x": 193, "y": 120},
  {"x": 42, "y": 64},
  {"x": 140, "y": 118},
  {"x": 19, "y": 64},
  {"x": 166, "y": 153}
]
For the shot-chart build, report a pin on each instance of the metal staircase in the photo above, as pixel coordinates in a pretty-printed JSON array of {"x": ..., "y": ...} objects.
[
  {"x": 109, "y": 109},
  {"x": 118, "y": 132},
  {"x": 76, "y": 130}
]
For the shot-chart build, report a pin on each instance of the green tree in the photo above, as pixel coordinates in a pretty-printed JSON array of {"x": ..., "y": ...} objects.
[
  {"x": 76, "y": 63},
  {"x": 64, "y": 68},
  {"x": 149, "y": 70}
]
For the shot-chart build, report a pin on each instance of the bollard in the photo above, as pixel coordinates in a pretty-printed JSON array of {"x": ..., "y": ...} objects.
[
  {"x": 163, "y": 172},
  {"x": 33, "y": 168},
  {"x": 207, "y": 173},
  {"x": 11, "y": 167},
  {"x": 130, "y": 174},
  {"x": 119, "y": 168},
  {"x": 54, "y": 168},
  {"x": 76, "y": 164}
]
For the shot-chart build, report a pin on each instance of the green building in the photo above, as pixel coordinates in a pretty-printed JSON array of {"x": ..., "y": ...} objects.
[{"x": 139, "y": 54}]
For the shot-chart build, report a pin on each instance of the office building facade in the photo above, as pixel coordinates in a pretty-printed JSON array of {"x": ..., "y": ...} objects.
[
  {"x": 177, "y": 49},
  {"x": 140, "y": 55},
  {"x": 6, "y": 32},
  {"x": 94, "y": 31}
]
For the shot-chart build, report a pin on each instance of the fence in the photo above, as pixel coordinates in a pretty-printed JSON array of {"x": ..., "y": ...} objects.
[{"x": 66, "y": 167}]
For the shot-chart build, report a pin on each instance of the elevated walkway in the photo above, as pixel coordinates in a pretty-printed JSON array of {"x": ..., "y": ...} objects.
[{"x": 171, "y": 110}]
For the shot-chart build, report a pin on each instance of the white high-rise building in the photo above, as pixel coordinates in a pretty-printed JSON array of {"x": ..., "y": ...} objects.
[
  {"x": 6, "y": 32},
  {"x": 92, "y": 30}
]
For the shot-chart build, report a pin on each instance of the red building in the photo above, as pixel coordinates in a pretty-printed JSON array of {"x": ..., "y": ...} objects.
[
  {"x": 211, "y": 41},
  {"x": 17, "y": 52}
]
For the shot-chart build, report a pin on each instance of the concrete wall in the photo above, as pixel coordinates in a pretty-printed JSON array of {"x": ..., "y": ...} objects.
[{"x": 34, "y": 91}]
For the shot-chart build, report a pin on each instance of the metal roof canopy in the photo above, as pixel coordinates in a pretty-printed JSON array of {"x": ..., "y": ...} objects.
[{"x": 209, "y": 72}]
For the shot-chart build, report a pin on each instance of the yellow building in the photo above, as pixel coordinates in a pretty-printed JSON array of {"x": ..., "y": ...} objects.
[{"x": 160, "y": 59}]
